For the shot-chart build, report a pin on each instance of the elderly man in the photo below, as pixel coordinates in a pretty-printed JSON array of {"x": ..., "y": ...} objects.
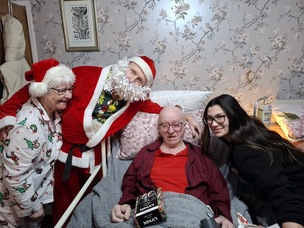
[
  {"x": 177, "y": 166},
  {"x": 104, "y": 101}
]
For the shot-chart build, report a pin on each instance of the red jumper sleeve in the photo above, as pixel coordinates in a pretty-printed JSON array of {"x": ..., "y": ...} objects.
[{"x": 10, "y": 107}]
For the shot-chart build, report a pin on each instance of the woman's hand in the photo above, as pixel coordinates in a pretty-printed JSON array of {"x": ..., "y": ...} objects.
[
  {"x": 37, "y": 216},
  {"x": 4, "y": 132},
  {"x": 225, "y": 223},
  {"x": 291, "y": 225}
]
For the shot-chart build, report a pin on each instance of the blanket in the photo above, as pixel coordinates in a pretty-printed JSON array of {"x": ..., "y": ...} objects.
[{"x": 183, "y": 210}]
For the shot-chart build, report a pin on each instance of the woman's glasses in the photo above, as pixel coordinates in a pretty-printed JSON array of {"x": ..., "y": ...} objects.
[
  {"x": 63, "y": 91},
  {"x": 219, "y": 119},
  {"x": 177, "y": 126}
]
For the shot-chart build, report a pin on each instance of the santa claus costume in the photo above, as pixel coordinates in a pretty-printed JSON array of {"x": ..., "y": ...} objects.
[{"x": 81, "y": 140}]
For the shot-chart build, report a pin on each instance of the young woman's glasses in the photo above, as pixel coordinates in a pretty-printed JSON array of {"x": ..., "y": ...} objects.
[
  {"x": 177, "y": 126},
  {"x": 219, "y": 119},
  {"x": 63, "y": 91}
]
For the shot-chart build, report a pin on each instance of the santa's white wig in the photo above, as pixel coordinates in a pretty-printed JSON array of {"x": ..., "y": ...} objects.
[{"x": 117, "y": 81}]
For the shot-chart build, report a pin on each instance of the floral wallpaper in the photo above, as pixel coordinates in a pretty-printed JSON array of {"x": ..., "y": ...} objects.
[{"x": 247, "y": 48}]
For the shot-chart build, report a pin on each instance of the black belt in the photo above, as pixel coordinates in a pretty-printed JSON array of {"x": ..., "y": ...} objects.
[{"x": 68, "y": 163}]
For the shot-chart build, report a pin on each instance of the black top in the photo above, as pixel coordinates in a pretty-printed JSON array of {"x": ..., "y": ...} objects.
[{"x": 280, "y": 184}]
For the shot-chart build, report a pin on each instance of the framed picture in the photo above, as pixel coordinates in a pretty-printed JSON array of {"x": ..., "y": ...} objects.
[{"x": 80, "y": 25}]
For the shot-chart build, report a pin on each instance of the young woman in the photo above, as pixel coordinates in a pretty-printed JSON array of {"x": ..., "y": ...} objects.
[{"x": 271, "y": 165}]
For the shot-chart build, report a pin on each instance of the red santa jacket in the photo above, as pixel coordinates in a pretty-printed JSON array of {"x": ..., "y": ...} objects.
[{"x": 77, "y": 117}]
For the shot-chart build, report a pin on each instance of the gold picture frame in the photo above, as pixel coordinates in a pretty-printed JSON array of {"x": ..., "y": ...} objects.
[{"x": 80, "y": 25}]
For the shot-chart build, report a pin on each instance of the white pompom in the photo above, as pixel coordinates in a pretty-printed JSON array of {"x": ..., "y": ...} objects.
[{"x": 38, "y": 89}]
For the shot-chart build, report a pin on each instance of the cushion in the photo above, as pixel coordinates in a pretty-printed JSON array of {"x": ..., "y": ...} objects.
[
  {"x": 189, "y": 100},
  {"x": 142, "y": 130}
]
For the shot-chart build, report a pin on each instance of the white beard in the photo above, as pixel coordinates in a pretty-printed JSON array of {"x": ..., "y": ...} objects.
[{"x": 118, "y": 82}]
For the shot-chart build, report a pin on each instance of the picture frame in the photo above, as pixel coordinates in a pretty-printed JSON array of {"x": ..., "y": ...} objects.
[{"x": 80, "y": 25}]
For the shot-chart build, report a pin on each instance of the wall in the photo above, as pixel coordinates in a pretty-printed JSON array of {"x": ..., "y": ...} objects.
[{"x": 246, "y": 48}]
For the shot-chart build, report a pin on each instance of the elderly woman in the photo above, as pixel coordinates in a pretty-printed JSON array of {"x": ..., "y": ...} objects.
[{"x": 32, "y": 146}]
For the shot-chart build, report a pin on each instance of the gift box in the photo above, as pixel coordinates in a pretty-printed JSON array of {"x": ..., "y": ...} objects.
[{"x": 150, "y": 209}]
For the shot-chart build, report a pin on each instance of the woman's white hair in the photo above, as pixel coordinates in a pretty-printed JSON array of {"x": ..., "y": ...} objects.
[{"x": 54, "y": 77}]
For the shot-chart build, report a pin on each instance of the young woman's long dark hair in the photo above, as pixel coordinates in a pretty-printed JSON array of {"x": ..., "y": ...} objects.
[{"x": 247, "y": 130}]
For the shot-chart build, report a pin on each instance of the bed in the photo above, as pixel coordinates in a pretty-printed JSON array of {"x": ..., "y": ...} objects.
[
  {"x": 117, "y": 155},
  {"x": 289, "y": 116}
]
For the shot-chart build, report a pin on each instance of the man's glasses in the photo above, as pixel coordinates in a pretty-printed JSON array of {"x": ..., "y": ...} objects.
[
  {"x": 219, "y": 119},
  {"x": 63, "y": 91},
  {"x": 177, "y": 126}
]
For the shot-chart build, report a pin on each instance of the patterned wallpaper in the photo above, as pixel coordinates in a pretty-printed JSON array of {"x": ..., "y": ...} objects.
[{"x": 247, "y": 48}]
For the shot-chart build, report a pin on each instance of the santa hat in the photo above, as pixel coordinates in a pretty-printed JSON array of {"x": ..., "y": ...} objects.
[
  {"x": 147, "y": 66},
  {"x": 45, "y": 71}
]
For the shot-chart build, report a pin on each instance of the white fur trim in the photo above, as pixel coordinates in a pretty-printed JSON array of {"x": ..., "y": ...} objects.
[
  {"x": 145, "y": 68},
  {"x": 7, "y": 120},
  {"x": 86, "y": 160},
  {"x": 99, "y": 135},
  {"x": 96, "y": 137},
  {"x": 87, "y": 119}
]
